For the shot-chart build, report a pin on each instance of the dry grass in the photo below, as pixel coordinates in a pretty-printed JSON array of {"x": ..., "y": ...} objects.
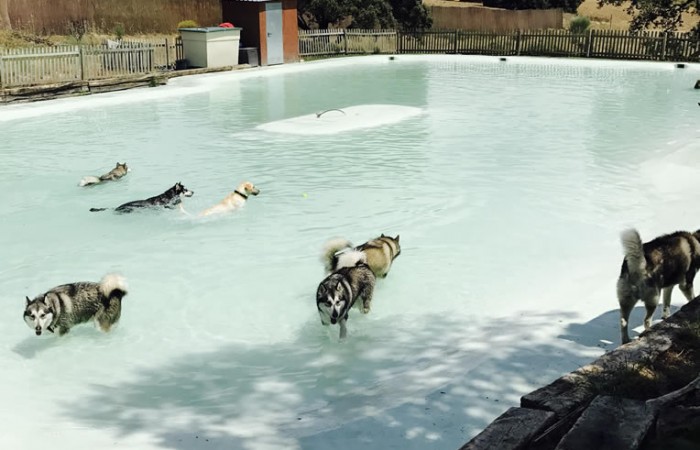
[
  {"x": 605, "y": 18},
  {"x": 644, "y": 380}
]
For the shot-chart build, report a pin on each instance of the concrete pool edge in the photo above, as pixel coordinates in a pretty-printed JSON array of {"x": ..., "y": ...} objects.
[{"x": 561, "y": 414}]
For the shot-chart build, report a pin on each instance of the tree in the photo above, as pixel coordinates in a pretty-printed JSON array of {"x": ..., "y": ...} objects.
[
  {"x": 664, "y": 14},
  {"x": 409, "y": 14},
  {"x": 4, "y": 16},
  {"x": 567, "y": 5}
]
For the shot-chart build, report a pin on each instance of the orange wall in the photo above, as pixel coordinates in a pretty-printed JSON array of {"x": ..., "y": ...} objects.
[
  {"x": 290, "y": 31},
  {"x": 251, "y": 17}
]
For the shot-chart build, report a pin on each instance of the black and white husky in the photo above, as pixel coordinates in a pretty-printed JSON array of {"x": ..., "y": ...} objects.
[
  {"x": 379, "y": 254},
  {"x": 169, "y": 199},
  {"x": 113, "y": 175},
  {"x": 647, "y": 269},
  {"x": 343, "y": 289},
  {"x": 65, "y": 306}
]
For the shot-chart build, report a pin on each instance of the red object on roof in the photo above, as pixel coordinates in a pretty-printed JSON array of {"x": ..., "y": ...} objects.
[{"x": 226, "y": 25}]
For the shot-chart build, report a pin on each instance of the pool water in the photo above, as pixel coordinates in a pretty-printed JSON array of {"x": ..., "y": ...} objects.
[{"x": 508, "y": 182}]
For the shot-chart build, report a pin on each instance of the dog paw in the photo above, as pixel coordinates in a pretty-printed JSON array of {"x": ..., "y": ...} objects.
[{"x": 365, "y": 309}]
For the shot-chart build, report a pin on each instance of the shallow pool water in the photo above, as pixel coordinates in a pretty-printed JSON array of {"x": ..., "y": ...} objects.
[{"x": 508, "y": 183}]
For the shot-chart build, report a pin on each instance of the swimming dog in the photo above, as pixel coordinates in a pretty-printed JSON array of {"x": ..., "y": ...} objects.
[
  {"x": 660, "y": 264},
  {"x": 380, "y": 254},
  {"x": 234, "y": 200},
  {"x": 119, "y": 171},
  {"x": 169, "y": 199},
  {"x": 343, "y": 289},
  {"x": 65, "y": 306}
]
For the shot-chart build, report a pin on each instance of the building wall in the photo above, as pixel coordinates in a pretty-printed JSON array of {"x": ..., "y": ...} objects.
[
  {"x": 247, "y": 16},
  {"x": 290, "y": 30}
]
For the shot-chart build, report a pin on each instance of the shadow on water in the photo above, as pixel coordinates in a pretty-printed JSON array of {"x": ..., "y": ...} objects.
[
  {"x": 603, "y": 331},
  {"x": 428, "y": 385}
]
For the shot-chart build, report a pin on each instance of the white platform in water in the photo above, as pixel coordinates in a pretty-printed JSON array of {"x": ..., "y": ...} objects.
[{"x": 333, "y": 121}]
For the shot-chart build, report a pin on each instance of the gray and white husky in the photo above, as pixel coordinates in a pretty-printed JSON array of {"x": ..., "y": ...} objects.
[
  {"x": 647, "y": 269},
  {"x": 65, "y": 306},
  {"x": 379, "y": 253},
  {"x": 113, "y": 175},
  {"x": 343, "y": 289}
]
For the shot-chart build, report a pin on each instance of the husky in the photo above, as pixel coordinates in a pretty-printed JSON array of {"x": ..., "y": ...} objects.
[
  {"x": 343, "y": 289},
  {"x": 113, "y": 175},
  {"x": 169, "y": 199},
  {"x": 660, "y": 264},
  {"x": 234, "y": 200},
  {"x": 65, "y": 306},
  {"x": 380, "y": 254}
]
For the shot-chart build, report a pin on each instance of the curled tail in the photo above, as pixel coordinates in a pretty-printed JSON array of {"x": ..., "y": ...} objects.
[
  {"x": 90, "y": 180},
  {"x": 351, "y": 259},
  {"x": 330, "y": 248},
  {"x": 634, "y": 251},
  {"x": 113, "y": 286}
]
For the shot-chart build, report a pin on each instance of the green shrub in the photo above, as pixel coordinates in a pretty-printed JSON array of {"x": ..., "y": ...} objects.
[
  {"x": 579, "y": 24},
  {"x": 187, "y": 24},
  {"x": 119, "y": 31}
]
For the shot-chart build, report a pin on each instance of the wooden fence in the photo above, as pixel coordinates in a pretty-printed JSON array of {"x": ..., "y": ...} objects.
[
  {"x": 649, "y": 45},
  {"x": 64, "y": 63}
]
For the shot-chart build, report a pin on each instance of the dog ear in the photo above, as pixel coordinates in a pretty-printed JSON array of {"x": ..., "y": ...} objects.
[
  {"x": 382, "y": 235},
  {"x": 397, "y": 238},
  {"x": 28, "y": 301}
]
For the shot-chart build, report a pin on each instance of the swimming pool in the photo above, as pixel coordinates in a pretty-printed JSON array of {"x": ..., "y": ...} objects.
[{"x": 509, "y": 186}]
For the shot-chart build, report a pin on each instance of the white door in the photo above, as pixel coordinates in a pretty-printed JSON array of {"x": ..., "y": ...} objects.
[{"x": 273, "y": 23}]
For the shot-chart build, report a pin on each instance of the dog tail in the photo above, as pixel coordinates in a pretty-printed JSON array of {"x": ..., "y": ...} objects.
[
  {"x": 634, "y": 251},
  {"x": 98, "y": 209},
  {"x": 90, "y": 180},
  {"x": 113, "y": 285},
  {"x": 351, "y": 259},
  {"x": 330, "y": 248}
]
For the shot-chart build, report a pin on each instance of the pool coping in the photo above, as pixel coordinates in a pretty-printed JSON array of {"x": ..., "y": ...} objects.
[{"x": 28, "y": 94}]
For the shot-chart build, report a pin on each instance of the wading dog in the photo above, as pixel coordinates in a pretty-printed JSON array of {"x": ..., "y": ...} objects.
[
  {"x": 379, "y": 252},
  {"x": 343, "y": 289},
  {"x": 669, "y": 260},
  {"x": 234, "y": 200},
  {"x": 169, "y": 199},
  {"x": 65, "y": 306},
  {"x": 113, "y": 175}
]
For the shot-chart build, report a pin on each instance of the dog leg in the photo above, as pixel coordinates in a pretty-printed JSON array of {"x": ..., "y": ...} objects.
[
  {"x": 667, "y": 302},
  {"x": 687, "y": 291},
  {"x": 63, "y": 330},
  {"x": 651, "y": 301},
  {"x": 366, "y": 296},
  {"x": 343, "y": 328},
  {"x": 627, "y": 301}
]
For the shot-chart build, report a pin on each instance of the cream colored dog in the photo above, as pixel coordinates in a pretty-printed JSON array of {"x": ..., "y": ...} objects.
[{"x": 234, "y": 200}]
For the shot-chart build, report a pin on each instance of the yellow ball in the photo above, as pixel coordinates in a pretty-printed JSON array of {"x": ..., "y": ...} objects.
[{"x": 305, "y": 195}]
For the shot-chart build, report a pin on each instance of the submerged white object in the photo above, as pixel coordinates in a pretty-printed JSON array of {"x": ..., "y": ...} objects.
[{"x": 337, "y": 120}]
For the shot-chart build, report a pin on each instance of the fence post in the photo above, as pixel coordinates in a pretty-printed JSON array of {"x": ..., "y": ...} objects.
[
  {"x": 518, "y": 37},
  {"x": 663, "y": 46},
  {"x": 456, "y": 41},
  {"x": 2, "y": 74},
  {"x": 82, "y": 64},
  {"x": 398, "y": 42},
  {"x": 589, "y": 47},
  {"x": 345, "y": 42},
  {"x": 167, "y": 55}
]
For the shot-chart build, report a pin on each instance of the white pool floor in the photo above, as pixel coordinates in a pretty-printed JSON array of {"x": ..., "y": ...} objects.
[{"x": 509, "y": 183}]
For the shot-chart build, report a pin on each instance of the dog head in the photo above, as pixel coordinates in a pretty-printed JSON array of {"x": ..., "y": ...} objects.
[
  {"x": 248, "y": 188},
  {"x": 38, "y": 315},
  {"x": 393, "y": 243},
  {"x": 181, "y": 191},
  {"x": 121, "y": 168},
  {"x": 332, "y": 299}
]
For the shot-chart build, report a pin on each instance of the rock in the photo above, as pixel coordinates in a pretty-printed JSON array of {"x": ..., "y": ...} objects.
[
  {"x": 610, "y": 423},
  {"x": 512, "y": 430}
]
